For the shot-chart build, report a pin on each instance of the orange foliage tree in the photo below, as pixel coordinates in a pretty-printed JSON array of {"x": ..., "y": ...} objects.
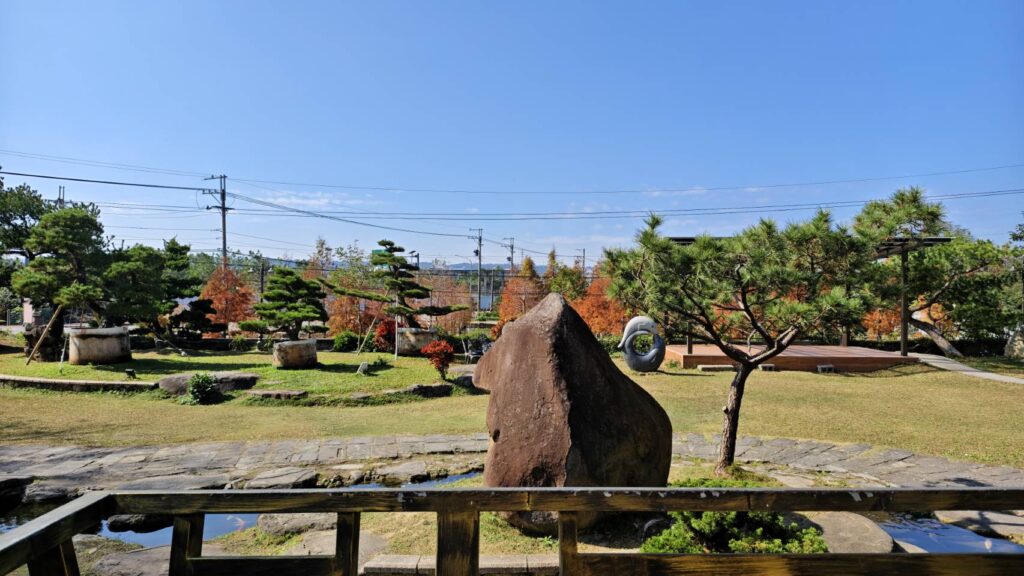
[
  {"x": 881, "y": 323},
  {"x": 231, "y": 298},
  {"x": 602, "y": 314},
  {"x": 518, "y": 296}
]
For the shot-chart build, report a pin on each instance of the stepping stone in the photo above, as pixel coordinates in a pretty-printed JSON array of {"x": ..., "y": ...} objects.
[
  {"x": 398, "y": 474},
  {"x": 278, "y": 394},
  {"x": 40, "y": 492},
  {"x": 987, "y": 523},
  {"x": 849, "y": 533},
  {"x": 716, "y": 368},
  {"x": 289, "y": 477}
]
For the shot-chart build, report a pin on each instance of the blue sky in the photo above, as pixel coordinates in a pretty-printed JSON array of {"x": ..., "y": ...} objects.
[{"x": 515, "y": 97}]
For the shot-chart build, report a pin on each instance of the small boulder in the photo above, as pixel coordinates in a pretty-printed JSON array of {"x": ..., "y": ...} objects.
[
  {"x": 1015, "y": 345},
  {"x": 288, "y": 524},
  {"x": 141, "y": 523},
  {"x": 429, "y": 390},
  {"x": 562, "y": 414},
  {"x": 295, "y": 354}
]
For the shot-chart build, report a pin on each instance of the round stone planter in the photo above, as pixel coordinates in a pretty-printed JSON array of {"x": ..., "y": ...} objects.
[
  {"x": 295, "y": 354},
  {"x": 98, "y": 345},
  {"x": 410, "y": 340}
]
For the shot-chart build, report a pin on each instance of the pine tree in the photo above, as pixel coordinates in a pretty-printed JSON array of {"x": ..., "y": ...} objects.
[
  {"x": 289, "y": 302},
  {"x": 400, "y": 285}
]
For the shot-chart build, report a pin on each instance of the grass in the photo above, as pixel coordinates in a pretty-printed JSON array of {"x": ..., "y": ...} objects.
[
  {"x": 997, "y": 364},
  {"x": 335, "y": 376},
  {"x": 912, "y": 407}
]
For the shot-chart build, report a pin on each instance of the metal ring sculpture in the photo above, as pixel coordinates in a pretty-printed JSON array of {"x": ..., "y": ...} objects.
[{"x": 652, "y": 359}]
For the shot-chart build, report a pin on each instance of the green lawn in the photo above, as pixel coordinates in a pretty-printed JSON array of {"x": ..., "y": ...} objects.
[
  {"x": 336, "y": 374},
  {"x": 914, "y": 408},
  {"x": 997, "y": 364}
]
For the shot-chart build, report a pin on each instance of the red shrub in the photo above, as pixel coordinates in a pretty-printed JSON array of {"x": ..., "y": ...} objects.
[{"x": 441, "y": 355}]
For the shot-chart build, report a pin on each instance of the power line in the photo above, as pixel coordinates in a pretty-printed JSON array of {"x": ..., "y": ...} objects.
[
  {"x": 634, "y": 190},
  {"x": 109, "y": 182},
  {"x": 675, "y": 189},
  {"x": 101, "y": 164},
  {"x": 345, "y": 220}
]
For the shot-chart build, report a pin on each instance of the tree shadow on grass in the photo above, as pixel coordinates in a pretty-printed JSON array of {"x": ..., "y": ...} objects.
[
  {"x": 171, "y": 362},
  {"x": 898, "y": 371}
]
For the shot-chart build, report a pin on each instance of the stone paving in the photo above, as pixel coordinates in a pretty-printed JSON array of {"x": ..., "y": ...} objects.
[
  {"x": 337, "y": 461},
  {"x": 943, "y": 363}
]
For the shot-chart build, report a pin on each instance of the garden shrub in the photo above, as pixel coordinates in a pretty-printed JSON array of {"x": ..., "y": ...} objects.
[
  {"x": 609, "y": 342},
  {"x": 384, "y": 336},
  {"x": 736, "y": 532},
  {"x": 441, "y": 355},
  {"x": 239, "y": 344},
  {"x": 265, "y": 345},
  {"x": 202, "y": 390},
  {"x": 345, "y": 341}
]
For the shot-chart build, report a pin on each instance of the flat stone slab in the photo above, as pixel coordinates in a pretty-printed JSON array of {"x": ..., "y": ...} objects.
[
  {"x": 278, "y": 394},
  {"x": 849, "y": 533},
  {"x": 177, "y": 482},
  {"x": 290, "y": 477},
  {"x": 716, "y": 368},
  {"x": 226, "y": 381},
  {"x": 397, "y": 474},
  {"x": 13, "y": 487},
  {"x": 988, "y": 523}
]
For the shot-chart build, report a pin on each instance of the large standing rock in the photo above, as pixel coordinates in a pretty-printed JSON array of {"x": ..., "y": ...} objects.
[
  {"x": 295, "y": 354},
  {"x": 1015, "y": 345},
  {"x": 562, "y": 414}
]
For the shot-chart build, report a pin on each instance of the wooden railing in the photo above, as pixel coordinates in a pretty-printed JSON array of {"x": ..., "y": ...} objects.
[{"x": 45, "y": 543}]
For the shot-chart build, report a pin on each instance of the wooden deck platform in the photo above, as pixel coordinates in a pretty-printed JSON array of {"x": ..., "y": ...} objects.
[{"x": 799, "y": 357}]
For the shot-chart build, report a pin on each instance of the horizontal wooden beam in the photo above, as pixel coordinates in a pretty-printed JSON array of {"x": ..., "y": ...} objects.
[
  {"x": 41, "y": 535},
  {"x": 568, "y": 500},
  {"x": 799, "y": 564},
  {"x": 263, "y": 565}
]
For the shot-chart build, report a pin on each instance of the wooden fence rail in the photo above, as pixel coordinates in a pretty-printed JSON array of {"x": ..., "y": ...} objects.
[{"x": 45, "y": 543}]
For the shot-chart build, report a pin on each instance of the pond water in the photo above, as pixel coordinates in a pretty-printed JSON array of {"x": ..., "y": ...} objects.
[
  {"x": 214, "y": 526},
  {"x": 930, "y": 535}
]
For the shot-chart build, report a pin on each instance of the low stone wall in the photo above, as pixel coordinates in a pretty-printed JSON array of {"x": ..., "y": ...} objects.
[{"x": 74, "y": 385}]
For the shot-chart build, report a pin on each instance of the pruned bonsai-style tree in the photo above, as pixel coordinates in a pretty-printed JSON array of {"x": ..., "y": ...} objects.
[
  {"x": 750, "y": 295},
  {"x": 395, "y": 273},
  {"x": 288, "y": 303}
]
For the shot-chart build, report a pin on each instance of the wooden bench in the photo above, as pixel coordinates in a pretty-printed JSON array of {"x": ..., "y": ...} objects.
[{"x": 45, "y": 543}]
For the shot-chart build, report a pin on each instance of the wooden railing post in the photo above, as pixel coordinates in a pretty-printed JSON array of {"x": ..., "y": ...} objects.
[
  {"x": 186, "y": 543},
  {"x": 458, "y": 543},
  {"x": 568, "y": 559},
  {"x": 59, "y": 561},
  {"x": 346, "y": 550}
]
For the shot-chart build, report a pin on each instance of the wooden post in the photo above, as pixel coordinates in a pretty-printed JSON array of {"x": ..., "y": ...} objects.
[
  {"x": 186, "y": 543},
  {"x": 59, "y": 561},
  {"x": 458, "y": 543},
  {"x": 56, "y": 314},
  {"x": 568, "y": 560},
  {"x": 904, "y": 306},
  {"x": 346, "y": 551}
]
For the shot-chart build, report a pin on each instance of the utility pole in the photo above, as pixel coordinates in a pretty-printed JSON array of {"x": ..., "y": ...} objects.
[
  {"x": 511, "y": 253},
  {"x": 223, "y": 207},
  {"x": 479, "y": 265},
  {"x": 583, "y": 259}
]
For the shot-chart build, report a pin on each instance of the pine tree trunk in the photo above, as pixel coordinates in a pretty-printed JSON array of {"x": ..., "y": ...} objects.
[
  {"x": 947, "y": 348},
  {"x": 731, "y": 420}
]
